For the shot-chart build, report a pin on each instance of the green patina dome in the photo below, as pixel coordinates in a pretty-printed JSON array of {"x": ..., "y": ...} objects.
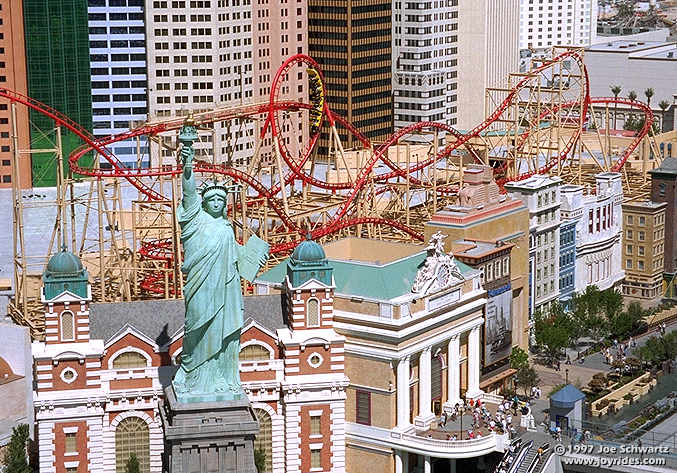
[
  {"x": 309, "y": 261},
  {"x": 65, "y": 272},
  {"x": 64, "y": 264},
  {"x": 308, "y": 251}
]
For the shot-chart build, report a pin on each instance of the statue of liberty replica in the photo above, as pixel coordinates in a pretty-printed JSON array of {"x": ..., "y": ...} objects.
[{"x": 207, "y": 384}]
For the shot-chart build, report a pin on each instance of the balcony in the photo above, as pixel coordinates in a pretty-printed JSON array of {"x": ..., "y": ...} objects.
[{"x": 410, "y": 442}]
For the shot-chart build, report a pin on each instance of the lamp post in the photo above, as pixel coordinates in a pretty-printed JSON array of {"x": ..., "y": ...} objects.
[{"x": 566, "y": 376}]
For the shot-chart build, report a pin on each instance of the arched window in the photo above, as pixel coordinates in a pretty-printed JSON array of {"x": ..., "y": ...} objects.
[
  {"x": 254, "y": 353},
  {"x": 313, "y": 313},
  {"x": 67, "y": 325},
  {"x": 264, "y": 440},
  {"x": 129, "y": 359},
  {"x": 132, "y": 436}
]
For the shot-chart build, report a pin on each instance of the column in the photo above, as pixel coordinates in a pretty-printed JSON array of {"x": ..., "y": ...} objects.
[
  {"x": 403, "y": 405},
  {"x": 453, "y": 371},
  {"x": 474, "y": 363},
  {"x": 426, "y": 464},
  {"x": 398, "y": 462},
  {"x": 425, "y": 414}
]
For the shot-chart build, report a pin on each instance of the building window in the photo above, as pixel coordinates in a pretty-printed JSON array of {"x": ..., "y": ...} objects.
[
  {"x": 132, "y": 436},
  {"x": 128, "y": 360},
  {"x": 254, "y": 353},
  {"x": 640, "y": 250},
  {"x": 313, "y": 313},
  {"x": 67, "y": 326},
  {"x": 628, "y": 264},
  {"x": 71, "y": 445},
  {"x": 642, "y": 221},
  {"x": 264, "y": 439},
  {"x": 363, "y": 407},
  {"x": 640, "y": 236},
  {"x": 640, "y": 265},
  {"x": 630, "y": 220},
  {"x": 628, "y": 249},
  {"x": 315, "y": 425},
  {"x": 316, "y": 459},
  {"x": 661, "y": 190},
  {"x": 628, "y": 234}
]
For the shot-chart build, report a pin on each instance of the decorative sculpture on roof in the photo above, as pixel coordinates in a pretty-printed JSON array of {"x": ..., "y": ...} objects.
[
  {"x": 213, "y": 264},
  {"x": 439, "y": 271}
]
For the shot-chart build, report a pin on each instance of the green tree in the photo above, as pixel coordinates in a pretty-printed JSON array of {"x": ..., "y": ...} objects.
[
  {"x": 526, "y": 378},
  {"x": 664, "y": 105},
  {"x": 552, "y": 334},
  {"x": 518, "y": 358},
  {"x": 132, "y": 464},
  {"x": 616, "y": 90},
  {"x": 15, "y": 460},
  {"x": 260, "y": 460},
  {"x": 649, "y": 93},
  {"x": 632, "y": 95}
]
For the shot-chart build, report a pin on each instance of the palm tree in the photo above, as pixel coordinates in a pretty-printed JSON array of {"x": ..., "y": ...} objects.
[
  {"x": 649, "y": 93},
  {"x": 664, "y": 105},
  {"x": 632, "y": 95},
  {"x": 616, "y": 90}
]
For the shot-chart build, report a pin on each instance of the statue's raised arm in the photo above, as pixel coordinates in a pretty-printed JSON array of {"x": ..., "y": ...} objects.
[{"x": 186, "y": 137}]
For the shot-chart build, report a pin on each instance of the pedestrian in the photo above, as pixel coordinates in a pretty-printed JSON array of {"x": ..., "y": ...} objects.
[
  {"x": 633, "y": 343},
  {"x": 568, "y": 360}
]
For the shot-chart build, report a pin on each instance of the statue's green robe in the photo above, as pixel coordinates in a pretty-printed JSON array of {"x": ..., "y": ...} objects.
[{"x": 213, "y": 300}]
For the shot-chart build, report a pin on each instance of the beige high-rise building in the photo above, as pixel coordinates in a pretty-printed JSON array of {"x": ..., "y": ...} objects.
[
  {"x": 643, "y": 249},
  {"x": 488, "y": 50},
  {"x": 13, "y": 77}
]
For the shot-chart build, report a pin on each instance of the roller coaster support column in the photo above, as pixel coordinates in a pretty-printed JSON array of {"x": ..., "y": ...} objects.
[
  {"x": 278, "y": 159},
  {"x": 20, "y": 270}
]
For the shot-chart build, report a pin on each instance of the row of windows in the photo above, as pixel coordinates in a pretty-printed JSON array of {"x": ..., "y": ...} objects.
[
  {"x": 566, "y": 282},
  {"x": 601, "y": 218},
  {"x": 599, "y": 270},
  {"x": 545, "y": 272},
  {"x": 497, "y": 269},
  {"x": 657, "y": 263},
  {"x": 544, "y": 291}
]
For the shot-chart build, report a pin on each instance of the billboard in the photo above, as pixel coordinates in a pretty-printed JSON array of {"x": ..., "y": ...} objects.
[{"x": 498, "y": 325}]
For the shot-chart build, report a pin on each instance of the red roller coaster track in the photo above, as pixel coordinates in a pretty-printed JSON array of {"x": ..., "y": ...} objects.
[{"x": 341, "y": 219}]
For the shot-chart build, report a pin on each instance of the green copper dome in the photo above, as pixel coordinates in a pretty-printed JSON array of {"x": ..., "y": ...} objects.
[
  {"x": 65, "y": 272},
  {"x": 308, "y": 261},
  {"x": 64, "y": 263},
  {"x": 308, "y": 251}
]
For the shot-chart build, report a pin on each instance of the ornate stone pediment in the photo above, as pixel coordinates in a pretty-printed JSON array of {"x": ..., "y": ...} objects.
[{"x": 439, "y": 271}]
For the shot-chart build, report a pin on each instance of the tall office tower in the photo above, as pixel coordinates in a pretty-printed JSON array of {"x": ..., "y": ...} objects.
[
  {"x": 352, "y": 43},
  {"x": 425, "y": 48},
  {"x": 199, "y": 55},
  {"x": 278, "y": 34},
  {"x": 488, "y": 50},
  {"x": 13, "y": 77},
  {"x": 557, "y": 22},
  {"x": 118, "y": 59},
  {"x": 57, "y": 60}
]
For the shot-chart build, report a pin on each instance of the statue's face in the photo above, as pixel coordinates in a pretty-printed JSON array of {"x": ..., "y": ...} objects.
[{"x": 215, "y": 205}]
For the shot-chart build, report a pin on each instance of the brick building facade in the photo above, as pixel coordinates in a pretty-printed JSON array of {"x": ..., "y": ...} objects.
[{"x": 102, "y": 370}]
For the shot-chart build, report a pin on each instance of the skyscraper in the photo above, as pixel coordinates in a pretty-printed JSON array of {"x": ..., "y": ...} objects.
[
  {"x": 559, "y": 22},
  {"x": 118, "y": 59},
  {"x": 200, "y": 57},
  {"x": 488, "y": 50},
  {"x": 352, "y": 43},
  {"x": 57, "y": 59},
  {"x": 13, "y": 77},
  {"x": 425, "y": 64}
]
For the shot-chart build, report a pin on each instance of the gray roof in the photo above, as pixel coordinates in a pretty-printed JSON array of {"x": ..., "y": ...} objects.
[
  {"x": 566, "y": 397},
  {"x": 668, "y": 166},
  {"x": 160, "y": 320}
]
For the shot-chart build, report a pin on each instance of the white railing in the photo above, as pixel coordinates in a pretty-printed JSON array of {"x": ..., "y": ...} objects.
[{"x": 425, "y": 445}]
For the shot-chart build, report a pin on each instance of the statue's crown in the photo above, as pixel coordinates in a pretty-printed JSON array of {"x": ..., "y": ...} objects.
[{"x": 218, "y": 188}]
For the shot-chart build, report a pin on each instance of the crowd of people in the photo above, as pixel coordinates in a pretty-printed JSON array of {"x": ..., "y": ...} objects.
[{"x": 482, "y": 418}]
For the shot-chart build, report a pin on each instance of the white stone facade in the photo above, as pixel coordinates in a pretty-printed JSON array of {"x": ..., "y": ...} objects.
[
  {"x": 541, "y": 194},
  {"x": 558, "y": 22},
  {"x": 598, "y": 231}
]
